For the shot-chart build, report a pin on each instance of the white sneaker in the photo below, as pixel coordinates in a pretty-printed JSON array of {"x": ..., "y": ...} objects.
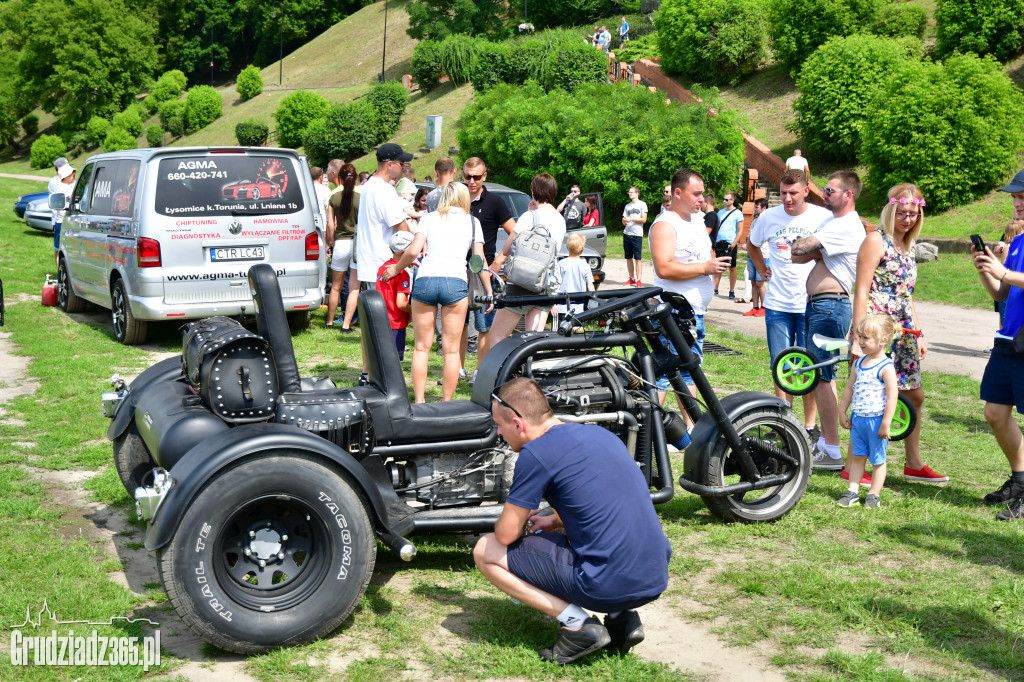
[
  {"x": 822, "y": 460},
  {"x": 462, "y": 374}
]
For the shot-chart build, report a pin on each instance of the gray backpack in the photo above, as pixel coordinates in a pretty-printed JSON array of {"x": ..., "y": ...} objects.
[{"x": 533, "y": 260}]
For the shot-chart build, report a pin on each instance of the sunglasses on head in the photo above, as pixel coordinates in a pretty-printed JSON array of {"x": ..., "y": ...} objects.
[{"x": 495, "y": 397}]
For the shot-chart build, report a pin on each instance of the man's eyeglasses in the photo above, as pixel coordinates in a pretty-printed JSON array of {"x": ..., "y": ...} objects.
[
  {"x": 474, "y": 178},
  {"x": 829, "y": 191},
  {"x": 900, "y": 215},
  {"x": 495, "y": 397}
]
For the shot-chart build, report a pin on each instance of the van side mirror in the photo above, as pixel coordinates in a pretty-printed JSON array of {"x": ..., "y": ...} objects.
[{"x": 57, "y": 201}]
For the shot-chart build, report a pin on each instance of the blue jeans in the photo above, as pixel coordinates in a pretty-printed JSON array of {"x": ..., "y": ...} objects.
[
  {"x": 482, "y": 321},
  {"x": 830, "y": 318},
  {"x": 439, "y": 290},
  {"x": 56, "y": 236},
  {"x": 697, "y": 348},
  {"x": 784, "y": 330}
]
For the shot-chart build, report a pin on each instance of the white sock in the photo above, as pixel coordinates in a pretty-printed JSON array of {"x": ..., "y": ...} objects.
[
  {"x": 572, "y": 617},
  {"x": 820, "y": 444},
  {"x": 833, "y": 451}
]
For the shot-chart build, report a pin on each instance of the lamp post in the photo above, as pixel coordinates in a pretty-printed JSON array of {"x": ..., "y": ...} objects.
[
  {"x": 206, "y": 28},
  {"x": 277, "y": 8},
  {"x": 384, "y": 50}
]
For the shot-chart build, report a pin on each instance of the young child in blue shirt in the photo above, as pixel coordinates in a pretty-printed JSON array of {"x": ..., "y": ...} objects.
[{"x": 872, "y": 392}]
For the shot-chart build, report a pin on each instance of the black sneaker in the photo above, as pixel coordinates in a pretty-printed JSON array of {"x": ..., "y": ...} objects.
[
  {"x": 813, "y": 434},
  {"x": 575, "y": 644},
  {"x": 626, "y": 631},
  {"x": 1009, "y": 492},
  {"x": 1014, "y": 512},
  {"x": 364, "y": 379}
]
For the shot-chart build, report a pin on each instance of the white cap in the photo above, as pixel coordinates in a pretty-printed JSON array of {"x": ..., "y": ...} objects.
[
  {"x": 400, "y": 241},
  {"x": 65, "y": 170}
]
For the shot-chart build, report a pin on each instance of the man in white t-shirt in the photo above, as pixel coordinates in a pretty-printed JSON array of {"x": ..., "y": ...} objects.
[
  {"x": 833, "y": 249},
  {"x": 798, "y": 162},
  {"x": 381, "y": 212},
  {"x": 785, "y": 303},
  {"x": 634, "y": 215},
  {"x": 682, "y": 256}
]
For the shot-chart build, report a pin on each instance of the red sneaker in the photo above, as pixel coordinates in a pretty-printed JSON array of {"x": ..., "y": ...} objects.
[
  {"x": 760, "y": 312},
  {"x": 639, "y": 284},
  {"x": 751, "y": 313},
  {"x": 865, "y": 481},
  {"x": 923, "y": 475},
  {"x": 629, "y": 282}
]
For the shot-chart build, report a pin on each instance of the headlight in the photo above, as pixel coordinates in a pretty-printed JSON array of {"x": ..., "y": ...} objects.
[{"x": 594, "y": 263}]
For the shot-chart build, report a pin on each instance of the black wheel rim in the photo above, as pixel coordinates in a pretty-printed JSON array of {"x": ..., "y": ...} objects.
[
  {"x": 117, "y": 311},
  {"x": 264, "y": 529},
  {"x": 62, "y": 285}
]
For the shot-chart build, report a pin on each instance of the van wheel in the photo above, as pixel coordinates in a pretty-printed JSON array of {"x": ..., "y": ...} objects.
[
  {"x": 66, "y": 298},
  {"x": 275, "y": 551},
  {"x": 299, "y": 320},
  {"x": 127, "y": 329}
]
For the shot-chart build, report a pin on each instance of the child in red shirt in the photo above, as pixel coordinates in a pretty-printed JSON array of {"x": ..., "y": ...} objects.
[{"x": 396, "y": 291}]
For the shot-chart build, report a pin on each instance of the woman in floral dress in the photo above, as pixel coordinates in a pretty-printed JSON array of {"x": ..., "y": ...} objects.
[{"x": 886, "y": 275}]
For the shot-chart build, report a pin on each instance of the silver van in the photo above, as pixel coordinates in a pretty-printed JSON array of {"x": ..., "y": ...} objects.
[{"x": 169, "y": 234}]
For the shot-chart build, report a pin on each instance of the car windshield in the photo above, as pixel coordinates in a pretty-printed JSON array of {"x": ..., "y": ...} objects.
[
  {"x": 227, "y": 184},
  {"x": 518, "y": 202}
]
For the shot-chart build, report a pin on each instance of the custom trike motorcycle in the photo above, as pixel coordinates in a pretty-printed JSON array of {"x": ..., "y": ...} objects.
[{"x": 265, "y": 493}]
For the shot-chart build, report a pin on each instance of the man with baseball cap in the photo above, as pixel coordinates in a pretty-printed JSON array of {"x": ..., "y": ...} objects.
[
  {"x": 52, "y": 186},
  {"x": 65, "y": 184},
  {"x": 1002, "y": 386}
]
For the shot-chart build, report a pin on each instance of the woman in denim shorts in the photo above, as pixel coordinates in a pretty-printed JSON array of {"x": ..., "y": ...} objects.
[{"x": 447, "y": 234}]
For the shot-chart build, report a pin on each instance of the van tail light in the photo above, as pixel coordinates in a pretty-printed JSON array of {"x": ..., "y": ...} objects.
[
  {"x": 312, "y": 246},
  {"x": 148, "y": 252}
]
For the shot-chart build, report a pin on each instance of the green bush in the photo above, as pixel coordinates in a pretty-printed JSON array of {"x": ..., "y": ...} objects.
[
  {"x": 203, "y": 106},
  {"x": 389, "y": 101},
  {"x": 172, "y": 116},
  {"x": 252, "y": 133},
  {"x": 96, "y": 130},
  {"x": 347, "y": 132},
  {"x": 249, "y": 82},
  {"x": 606, "y": 137},
  {"x": 155, "y": 136},
  {"x": 169, "y": 86},
  {"x": 118, "y": 139},
  {"x": 426, "y": 64},
  {"x": 571, "y": 66},
  {"x": 45, "y": 149},
  {"x": 642, "y": 48},
  {"x": 295, "y": 112},
  {"x": 712, "y": 41},
  {"x": 30, "y": 124},
  {"x": 152, "y": 106},
  {"x": 994, "y": 27},
  {"x": 799, "y": 27},
  {"x": 128, "y": 120},
  {"x": 555, "y": 59},
  {"x": 898, "y": 20},
  {"x": 955, "y": 129},
  {"x": 458, "y": 54},
  {"x": 837, "y": 85}
]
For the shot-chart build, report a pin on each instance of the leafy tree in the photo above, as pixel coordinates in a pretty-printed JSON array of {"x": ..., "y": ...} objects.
[
  {"x": 296, "y": 111},
  {"x": 800, "y": 26},
  {"x": 118, "y": 139},
  {"x": 438, "y": 19},
  {"x": 956, "y": 129},
  {"x": 347, "y": 132},
  {"x": 45, "y": 149},
  {"x": 96, "y": 130},
  {"x": 712, "y": 41},
  {"x": 30, "y": 124},
  {"x": 994, "y": 27},
  {"x": 900, "y": 19},
  {"x": 13, "y": 102},
  {"x": 85, "y": 57},
  {"x": 553, "y": 13}
]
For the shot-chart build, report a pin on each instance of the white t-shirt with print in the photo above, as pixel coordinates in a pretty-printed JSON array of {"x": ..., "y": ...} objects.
[
  {"x": 634, "y": 210},
  {"x": 449, "y": 238},
  {"x": 692, "y": 246},
  {"x": 840, "y": 240},
  {"x": 380, "y": 209},
  {"x": 777, "y": 230},
  {"x": 548, "y": 217}
]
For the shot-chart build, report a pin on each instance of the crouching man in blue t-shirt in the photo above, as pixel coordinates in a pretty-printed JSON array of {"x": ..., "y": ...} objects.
[{"x": 613, "y": 556}]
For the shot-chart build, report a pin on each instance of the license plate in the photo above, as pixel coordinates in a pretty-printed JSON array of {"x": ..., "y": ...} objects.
[{"x": 238, "y": 253}]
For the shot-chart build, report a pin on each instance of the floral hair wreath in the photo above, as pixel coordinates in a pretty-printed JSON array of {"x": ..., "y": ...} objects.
[{"x": 905, "y": 200}]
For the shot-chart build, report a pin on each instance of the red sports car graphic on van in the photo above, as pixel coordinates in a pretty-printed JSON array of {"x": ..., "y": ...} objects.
[{"x": 253, "y": 190}]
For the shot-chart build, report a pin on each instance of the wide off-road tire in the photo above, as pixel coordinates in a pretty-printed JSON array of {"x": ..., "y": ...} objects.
[
  {"x": 68, "y": 301},
  {"x": 127, "y": 329},
  {"x": 131, "y": 459},
  {"x": 782, "y": 430},
  {"x": 281, "y": 503},
  {"x": 785, "y": 371}
]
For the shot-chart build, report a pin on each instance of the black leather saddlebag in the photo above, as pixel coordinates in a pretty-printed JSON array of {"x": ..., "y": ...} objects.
[
  {"x": 337, "y": 416},
  {"x": 231, "y": 368}
]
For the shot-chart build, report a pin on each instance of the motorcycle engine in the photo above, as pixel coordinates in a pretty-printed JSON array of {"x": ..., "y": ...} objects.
[
  {"x": 584, "y": 384},
  {"x": 455, "y": 478}
]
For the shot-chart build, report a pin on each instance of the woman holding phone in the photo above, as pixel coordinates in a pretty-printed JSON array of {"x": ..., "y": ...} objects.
[{"x": 886, "y": 276}]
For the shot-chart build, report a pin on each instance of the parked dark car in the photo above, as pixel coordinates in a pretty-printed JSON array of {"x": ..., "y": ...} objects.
[{"x": 21, "y": 203}]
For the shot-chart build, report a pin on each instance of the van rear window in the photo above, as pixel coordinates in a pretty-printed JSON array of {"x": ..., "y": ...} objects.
[{"x": 226, "y": 184}]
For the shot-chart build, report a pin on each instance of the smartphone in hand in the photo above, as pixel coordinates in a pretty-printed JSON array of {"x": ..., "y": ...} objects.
[{"x": 979, "y": 243}]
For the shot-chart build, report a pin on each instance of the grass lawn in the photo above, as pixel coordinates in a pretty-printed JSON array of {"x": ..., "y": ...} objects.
[{"x": 928, "y": 587}]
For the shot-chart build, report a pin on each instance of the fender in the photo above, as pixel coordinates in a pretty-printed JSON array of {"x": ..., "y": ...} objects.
[
  {"x": 168, "y": 369},
  {"x": 210, "y": 457},
  {"x": 705, "y": 432}
]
